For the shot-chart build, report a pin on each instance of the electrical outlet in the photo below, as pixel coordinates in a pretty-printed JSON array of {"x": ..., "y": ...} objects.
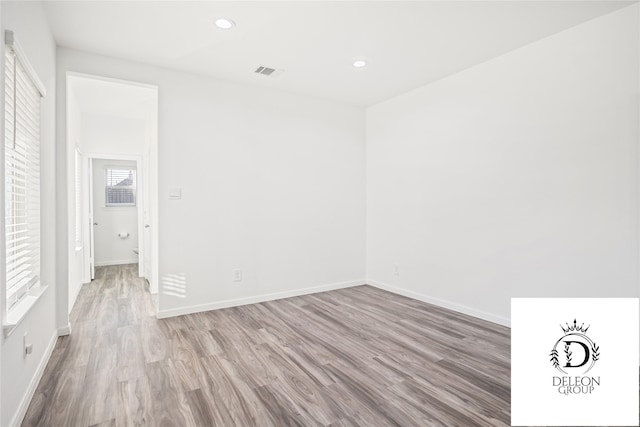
[
  {"x": 175, "y": 193},
  {"x": 237, "y": 275},
  {"x": 396, "y": 270},
  {"x": 28, "y": 348}
]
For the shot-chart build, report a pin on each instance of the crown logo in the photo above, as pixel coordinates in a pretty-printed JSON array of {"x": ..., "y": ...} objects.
[
  {"x": 575, "y": 338},
  {"x": 575, "y": 327}
]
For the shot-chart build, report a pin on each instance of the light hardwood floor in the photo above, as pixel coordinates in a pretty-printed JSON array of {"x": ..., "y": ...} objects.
[{"x": 358, "y": 356}]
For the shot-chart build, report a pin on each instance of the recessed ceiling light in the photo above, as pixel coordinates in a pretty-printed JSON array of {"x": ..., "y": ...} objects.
[
  {"x": 359, "y": 63},
  {"x": 224, "y": 23}
]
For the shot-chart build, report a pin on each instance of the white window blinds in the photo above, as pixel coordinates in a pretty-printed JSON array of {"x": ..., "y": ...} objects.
[
  {"x": 22, "y": 180},
  {"x": 121, "y": 187}
]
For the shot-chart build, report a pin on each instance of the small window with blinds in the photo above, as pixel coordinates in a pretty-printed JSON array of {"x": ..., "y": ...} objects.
[
  {"x": 121, "y": 187},
  {"x": 22, "y": 180}
]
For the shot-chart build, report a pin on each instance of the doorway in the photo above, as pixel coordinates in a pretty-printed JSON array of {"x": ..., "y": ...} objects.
[
  {"x": 112, "y": 155},
  {"x": 116, "y": 215}
]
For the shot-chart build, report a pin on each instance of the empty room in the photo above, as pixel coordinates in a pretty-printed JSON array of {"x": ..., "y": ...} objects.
[{"x": 320, "y": 213}]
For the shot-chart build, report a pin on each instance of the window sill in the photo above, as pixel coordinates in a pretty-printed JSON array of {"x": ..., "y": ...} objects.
[{"x": 20, "y": 311}]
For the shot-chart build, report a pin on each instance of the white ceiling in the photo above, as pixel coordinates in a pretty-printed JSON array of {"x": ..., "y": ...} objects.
[{"x": 407, "y": 44}]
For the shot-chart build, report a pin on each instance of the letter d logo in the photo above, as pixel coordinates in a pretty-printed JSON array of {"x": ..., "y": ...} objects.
[{"x": 586, "y": 354}]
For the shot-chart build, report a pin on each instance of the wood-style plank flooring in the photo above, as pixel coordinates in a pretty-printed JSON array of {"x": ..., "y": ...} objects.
[{"x": 352, "y": 357}]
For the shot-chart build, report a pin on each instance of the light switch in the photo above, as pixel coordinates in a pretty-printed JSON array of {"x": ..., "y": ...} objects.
[{"x": 175, "y": 193}]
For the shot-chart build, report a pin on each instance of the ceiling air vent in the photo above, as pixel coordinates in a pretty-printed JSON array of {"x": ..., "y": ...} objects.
[{"x": 267, "y": 71}]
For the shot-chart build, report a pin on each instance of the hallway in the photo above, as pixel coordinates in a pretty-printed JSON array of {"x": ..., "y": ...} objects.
[{"x": 80, "y": 384}]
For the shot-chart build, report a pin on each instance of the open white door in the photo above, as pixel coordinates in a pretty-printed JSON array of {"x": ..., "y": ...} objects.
[
  {"x": 142, "y": 217},
  {"x": 147, "y": 246},
  {"x": 92, "y": 266},
  {"x": 146, "y": 231}
]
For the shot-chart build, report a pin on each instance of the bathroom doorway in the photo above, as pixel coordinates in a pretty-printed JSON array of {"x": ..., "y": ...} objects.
[{"x": 116, "y": 230}]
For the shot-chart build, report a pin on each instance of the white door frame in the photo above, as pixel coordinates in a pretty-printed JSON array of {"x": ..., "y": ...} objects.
[
  {"x": 89, "y": 241},
  {"x": 89, "y": 254}
]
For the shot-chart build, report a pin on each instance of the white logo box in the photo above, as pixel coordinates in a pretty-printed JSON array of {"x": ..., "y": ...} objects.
[{"x": 574, "y": 361}]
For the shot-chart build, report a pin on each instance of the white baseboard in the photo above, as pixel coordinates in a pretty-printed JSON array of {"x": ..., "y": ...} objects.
[
  {"x": 26, "y": 399},
  {"x": 65, "y": 330},
  {"x": 443, "y": 303},
  {"x": 305, "y": 291},
  {"x": 117, "y": 262},
  {"x": 256, "y": 299}
]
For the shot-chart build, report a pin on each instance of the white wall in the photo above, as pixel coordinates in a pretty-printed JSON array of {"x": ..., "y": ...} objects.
[
  {"x": 27, "y": 20},
  {"x": 113, "y": 135},
  {"x": 110, "y": 249},
  {"x": 515, "y": 178},
  {"x": 272, "y": 184}
]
